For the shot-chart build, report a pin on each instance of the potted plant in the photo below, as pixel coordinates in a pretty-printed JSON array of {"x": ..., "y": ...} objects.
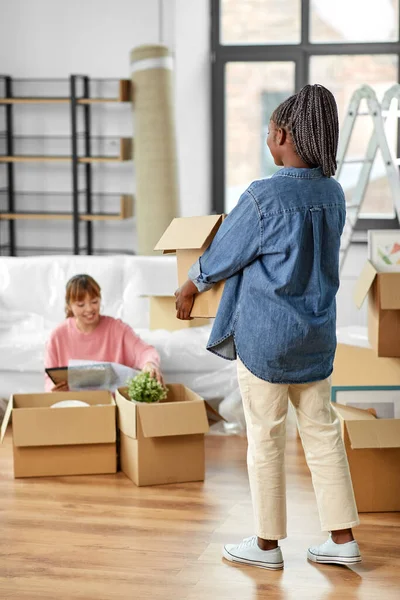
[{"x": 144, "y": 388}]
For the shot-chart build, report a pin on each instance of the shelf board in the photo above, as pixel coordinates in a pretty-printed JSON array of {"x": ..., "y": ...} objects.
[
  {"x": 125, "y": 154},
  {"x": 34, "y": 100},
  {"x": 61, "y": 100},
  {"x": 48, "y": 216},
  {"x": 68, "y": 251},
  {"x": 124, "y": 96},
  {"x": 100, "y": 100},
  {"x": 33, "y": 158},
  {"x": 125, "y": 212},
  {"x": 58, "y": 193},
  {"x": 20, "y": 216},
  {"x": 103, "y": 159}
]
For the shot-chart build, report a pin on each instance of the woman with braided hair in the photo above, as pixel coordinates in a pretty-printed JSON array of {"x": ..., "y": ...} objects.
[{"x": 278, "y": 251}]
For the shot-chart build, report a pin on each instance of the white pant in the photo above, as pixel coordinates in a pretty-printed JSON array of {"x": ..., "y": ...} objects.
[{"x": 265, "y": 408}]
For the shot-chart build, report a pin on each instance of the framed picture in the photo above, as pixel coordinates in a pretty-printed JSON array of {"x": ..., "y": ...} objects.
[
  {"x": 384, "y": 249},
  {"x": 384, "y": 399}
]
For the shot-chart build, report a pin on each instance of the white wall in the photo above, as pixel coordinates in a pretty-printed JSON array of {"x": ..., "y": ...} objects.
[
  {"x": 54, "y": 38},
  {"x": 193, "y": 104}
]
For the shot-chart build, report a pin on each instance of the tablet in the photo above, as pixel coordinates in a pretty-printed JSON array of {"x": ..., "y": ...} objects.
[{"x": 57, "y": 374}]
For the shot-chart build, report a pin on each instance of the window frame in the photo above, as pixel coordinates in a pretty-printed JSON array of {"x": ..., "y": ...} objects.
[{"x": 300, "y": 54}]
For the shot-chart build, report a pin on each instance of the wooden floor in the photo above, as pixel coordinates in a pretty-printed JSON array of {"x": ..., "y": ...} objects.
[{"x": 102, "y": 538}]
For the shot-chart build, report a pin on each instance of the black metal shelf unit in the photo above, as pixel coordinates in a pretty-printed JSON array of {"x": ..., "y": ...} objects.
[
  {"x": 76, "y": 103},
  {"x": 7, "y": 82}
]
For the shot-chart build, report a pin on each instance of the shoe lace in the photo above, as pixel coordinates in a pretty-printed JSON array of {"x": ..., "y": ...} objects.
[{"x": 248, "y": 542}]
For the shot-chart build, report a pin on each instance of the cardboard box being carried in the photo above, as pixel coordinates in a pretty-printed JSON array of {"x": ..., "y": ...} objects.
[
  {"x": 189, "y": 238},
  {"x": 163, "y": 315},
  {"x": 373, "y": 452},
  {"x": 164, "y": 442},
  {"x": 383, "y": 291},
  {"x": 62, "y": 441}
]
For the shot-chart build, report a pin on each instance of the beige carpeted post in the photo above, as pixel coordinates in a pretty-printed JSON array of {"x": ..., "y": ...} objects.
[{"x": 155, "y": 157}]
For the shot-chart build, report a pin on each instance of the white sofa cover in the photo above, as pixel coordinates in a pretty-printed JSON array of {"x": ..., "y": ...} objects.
[{"x": 32, "y": 303}]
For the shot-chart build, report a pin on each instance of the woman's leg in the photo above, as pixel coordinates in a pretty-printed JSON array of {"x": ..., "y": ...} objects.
[
  {"x": 319, "y": 428},
  {"x": 265, "y": 408}
]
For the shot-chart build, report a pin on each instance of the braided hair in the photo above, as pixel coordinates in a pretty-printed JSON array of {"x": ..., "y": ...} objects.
[{"x": 311, "y": 117}]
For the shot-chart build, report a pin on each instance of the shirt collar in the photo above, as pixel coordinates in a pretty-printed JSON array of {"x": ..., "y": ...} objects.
[{"x": 300, "y": 173}]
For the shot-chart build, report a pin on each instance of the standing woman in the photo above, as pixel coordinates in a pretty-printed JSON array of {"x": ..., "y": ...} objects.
[
  {"x": 87, "y": 335},
  {"x": 279, "y": 252}
]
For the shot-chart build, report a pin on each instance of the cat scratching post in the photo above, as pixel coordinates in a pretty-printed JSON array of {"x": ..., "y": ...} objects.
[{"x": 155, "y": 160}]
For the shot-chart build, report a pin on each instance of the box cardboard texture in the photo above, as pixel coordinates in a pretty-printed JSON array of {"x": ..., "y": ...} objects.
[
  {"x": 163, "y": 315},
  {"x": 189, "y": 238},
  {"x": 373, "y": 451},
  {"x": 383, "y": 291},
  {"x": 361, "y": 366},
  {"x": 62, "y": 441},
  {"x": 164, "y": 442}
]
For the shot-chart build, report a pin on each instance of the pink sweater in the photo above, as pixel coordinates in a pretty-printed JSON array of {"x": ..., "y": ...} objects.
[{"x": 111, "y": 341}]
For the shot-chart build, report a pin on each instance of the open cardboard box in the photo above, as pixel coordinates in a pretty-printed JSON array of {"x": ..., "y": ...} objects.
[
  {"x": 373, "y": 452},
  {"x": 62, "y": 441},
  {"x": 189, "y": 238},
  {"x": 164, "y": 442},
  {"x": 383, "y": 291},
  {"x": 163, "y": 315}
]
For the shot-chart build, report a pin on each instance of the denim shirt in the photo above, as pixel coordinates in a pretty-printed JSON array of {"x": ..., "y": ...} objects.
[{"x": 278, "y": 250}]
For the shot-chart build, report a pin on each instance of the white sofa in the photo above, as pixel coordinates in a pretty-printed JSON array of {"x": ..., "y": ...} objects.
[{"x": 32, "y": 304}]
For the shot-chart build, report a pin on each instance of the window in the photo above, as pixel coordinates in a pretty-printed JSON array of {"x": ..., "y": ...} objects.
[
  {"x": 260, "y": 22},
  {"x": 264, "y": 50},
  {"x": 253, "y": 90},
  {"x": 354, "y": 21}
]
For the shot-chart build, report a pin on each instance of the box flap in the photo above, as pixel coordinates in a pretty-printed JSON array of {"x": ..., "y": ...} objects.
[
  {"x": 45, "y": 400},
  {"x": 350, "y": 413},
  {"x": 35, "y": 423},
  {"x": 389, "y": 291},
  {"x": 363, "y": 284},
  {"x": 126, "y": 413},
  {"x": 173, "y": 418},
  {"x": 6, "y": 419},
  {"x": 375, "y": 433},
  {"x": 213, "y": 415},
  {"x": 188, "y": 233}
]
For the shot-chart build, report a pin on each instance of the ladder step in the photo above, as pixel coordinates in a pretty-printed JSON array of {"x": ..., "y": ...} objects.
[
  {"x": 354, "y": 161},
  {"x": 385, "y": 113}
]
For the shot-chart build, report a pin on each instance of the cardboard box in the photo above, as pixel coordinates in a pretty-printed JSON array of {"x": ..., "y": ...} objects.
[
  {"x": 355, "y": 365},
  {"x": 373, "y": 451},
  {"x": 163, "y": 315},
  {"x": 62, "y": 441},
  {"x": 383, "y": 291},
  {"x": 189, "y": 238},
  {"x": 162, "y": 443},
  {"x": 383, "y": 401}
]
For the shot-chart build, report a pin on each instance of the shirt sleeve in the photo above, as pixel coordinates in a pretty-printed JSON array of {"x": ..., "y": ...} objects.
[
  {"x": 138, "y": 353},
  {"x": 238, "y": 242}
]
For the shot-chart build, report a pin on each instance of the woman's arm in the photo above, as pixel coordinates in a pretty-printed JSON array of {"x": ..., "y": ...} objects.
[
  {"x": 141, "y": 355},
  {"x": 238, "y": 243}
]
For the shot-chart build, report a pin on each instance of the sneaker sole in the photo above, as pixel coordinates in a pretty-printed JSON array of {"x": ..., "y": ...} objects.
[
  {"x": 333, "y": 560},
  {"x": 252, "y": 563}
]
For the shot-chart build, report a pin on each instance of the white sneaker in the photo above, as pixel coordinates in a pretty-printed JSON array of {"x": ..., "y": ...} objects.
[
  {"x": 338, "y": 554},
  {"x": 249, "y": 553}
]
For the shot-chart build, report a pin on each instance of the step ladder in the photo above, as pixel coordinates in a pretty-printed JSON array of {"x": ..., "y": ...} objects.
[{"x": 378, "y": 140}]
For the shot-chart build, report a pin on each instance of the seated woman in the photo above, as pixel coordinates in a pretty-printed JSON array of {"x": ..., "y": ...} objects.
[{"x": 88, "y": 335}]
